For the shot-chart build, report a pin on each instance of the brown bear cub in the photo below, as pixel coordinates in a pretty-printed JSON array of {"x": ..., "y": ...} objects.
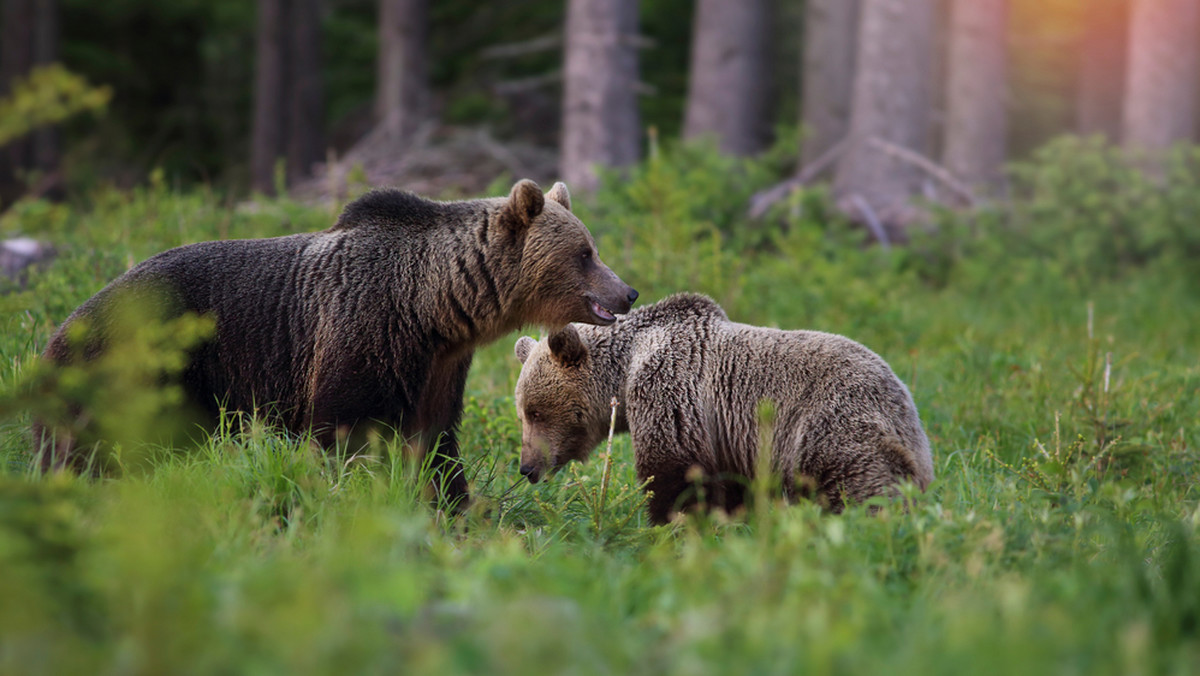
[
  {"x": 371, "y": 321},
  {"x": 690, "y": 381}
]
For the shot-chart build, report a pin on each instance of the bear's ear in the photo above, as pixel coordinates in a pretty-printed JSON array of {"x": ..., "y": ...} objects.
[
  {"x": 524, "y": 347},
  {"x": 525, "y": 202},
  {"x": 559, "y": 194},
  {"x": 567, "y": 347}
]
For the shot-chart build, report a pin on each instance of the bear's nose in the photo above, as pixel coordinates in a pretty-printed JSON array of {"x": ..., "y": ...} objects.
[
  {"x": 633, "y": 294},
  {"x": 530, "y": 472}
]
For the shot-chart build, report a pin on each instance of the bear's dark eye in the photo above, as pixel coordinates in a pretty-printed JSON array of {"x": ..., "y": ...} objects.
[
  {"x": 585, "y": 255},
  {"x": 533, "y": 415}
]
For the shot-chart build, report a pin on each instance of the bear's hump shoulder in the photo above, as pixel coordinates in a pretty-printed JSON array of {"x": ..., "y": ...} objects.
[
  {"x": 683, "y": 307},
  {"x": 389, "y": 207}
]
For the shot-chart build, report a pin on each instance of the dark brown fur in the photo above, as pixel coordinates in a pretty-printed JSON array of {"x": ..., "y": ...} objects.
[
  {"x": 690, "y": 383},
  {"x": 375, "y": 319}
]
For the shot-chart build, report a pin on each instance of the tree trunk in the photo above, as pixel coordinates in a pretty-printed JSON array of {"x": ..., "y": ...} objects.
[
  {"x": 1160, "y": 99},
  {"x": 600, "y": 113},
  {"x": 45, "y": 152},
  {"x": 977, "y": 93},
  {"x": 28, "y": 38},
  {"x": 270, "y": 92},
  {"x": 402, "y": 83},
  {"x": 16, "y": 58},
  {"x": 288, "y": 96},
  {"x": 830, "y": 48},
  {"x": 16, "y": 40},
  {"x": 890, "y": 104},
  {"x": 1102, "y": 68},
  {"x": 306, "y": 115},
  {"x": 730, "y": 74}
]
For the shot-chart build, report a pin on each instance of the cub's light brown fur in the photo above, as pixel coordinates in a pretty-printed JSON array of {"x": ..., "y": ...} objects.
[{"x": 690, "y": 382}]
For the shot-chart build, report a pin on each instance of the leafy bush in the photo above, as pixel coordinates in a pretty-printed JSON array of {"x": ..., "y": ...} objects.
[
  {"x": 49, "y": 94},
  {"x": 1080, "y": 209},
  {"x": 129, "y": 396}
]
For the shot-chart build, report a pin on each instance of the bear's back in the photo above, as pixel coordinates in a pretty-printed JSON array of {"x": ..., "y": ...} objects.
[
  {"x": 826, "y": 389},
  {"x": 813, "y": 371},
  {"x": 735, "y": 363},
  {"x": 273, "y": 274},
  {"x": 695, "y": 335},
  {"x": 783, "y": 359},
  {"x": 194, "y": 277},
  {"x": 403, "y": 214}
]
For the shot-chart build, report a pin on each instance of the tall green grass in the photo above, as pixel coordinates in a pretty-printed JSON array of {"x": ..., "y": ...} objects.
[{"x": 1060, "y": 535}]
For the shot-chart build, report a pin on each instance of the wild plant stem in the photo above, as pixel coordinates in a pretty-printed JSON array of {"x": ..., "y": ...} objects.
[{"x": 612, "y": 426}]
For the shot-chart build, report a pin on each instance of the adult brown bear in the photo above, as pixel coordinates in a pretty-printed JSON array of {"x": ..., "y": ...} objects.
[{"x": 374, "y": 319}]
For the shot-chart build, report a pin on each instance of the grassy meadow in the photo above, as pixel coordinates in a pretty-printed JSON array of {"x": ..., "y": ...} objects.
[{"x": 1052, "y": 344}]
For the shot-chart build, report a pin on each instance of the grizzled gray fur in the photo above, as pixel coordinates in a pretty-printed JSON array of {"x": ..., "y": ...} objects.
[
  {"x": 690, "y": 381},
  {"x": 374, "y": 319}
]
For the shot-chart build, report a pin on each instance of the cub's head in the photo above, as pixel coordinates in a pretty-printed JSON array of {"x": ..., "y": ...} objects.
[
  {"x": 563, "y": 414},
  {"x": 562, "y": 276}
]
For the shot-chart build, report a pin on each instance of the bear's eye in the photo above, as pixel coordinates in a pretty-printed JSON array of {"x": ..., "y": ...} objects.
[
  {"x": 533, "y": 415},
  {"x": 585, "y": 255}
]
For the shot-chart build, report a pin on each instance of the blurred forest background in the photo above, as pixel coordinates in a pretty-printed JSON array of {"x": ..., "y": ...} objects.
[
  {"x": 1038, "y": 312},
  {"x": 893, "y": 98}
]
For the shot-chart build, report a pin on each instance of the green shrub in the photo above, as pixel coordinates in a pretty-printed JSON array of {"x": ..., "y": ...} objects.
[
  {"x": 1083, "y": 210},
  {"x": 49, "y": 94}
]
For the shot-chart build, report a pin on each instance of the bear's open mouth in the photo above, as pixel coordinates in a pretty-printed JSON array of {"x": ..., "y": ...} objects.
[{"x": 603, "y": 313}]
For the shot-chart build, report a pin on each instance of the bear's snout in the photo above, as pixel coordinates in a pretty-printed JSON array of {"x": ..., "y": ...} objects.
[
  {"x": 622, "y": 299},
  {"x": 617, "y": 301},
  {"x": 607, "y": 296},
  {"x": 531, "y": 472}
]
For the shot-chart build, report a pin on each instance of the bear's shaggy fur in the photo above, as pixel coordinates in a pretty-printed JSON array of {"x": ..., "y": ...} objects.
[
  {"x": 690, "y": 382},
  {"x": 374, "y": 319}
]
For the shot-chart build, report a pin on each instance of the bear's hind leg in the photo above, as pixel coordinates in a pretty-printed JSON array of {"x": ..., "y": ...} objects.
[
  {"x": 864, "y": 471},
  {"x": 667, "y": 488}
]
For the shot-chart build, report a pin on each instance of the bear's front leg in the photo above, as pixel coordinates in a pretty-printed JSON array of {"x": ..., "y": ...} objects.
[
  {"x": 670, "y": 443},
  {"x": 449, "y": 479},
  {"x": 677, "y": 482},
  {"x": 438, "y": 414}
]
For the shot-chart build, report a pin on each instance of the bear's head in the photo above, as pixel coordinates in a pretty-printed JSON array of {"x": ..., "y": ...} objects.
[
  {"x": 562, "y": 278},
  {"x": 563, "y": 410}
]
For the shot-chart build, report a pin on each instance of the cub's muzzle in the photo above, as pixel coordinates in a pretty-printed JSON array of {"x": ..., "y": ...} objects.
[{"x": 531, "y": 472}]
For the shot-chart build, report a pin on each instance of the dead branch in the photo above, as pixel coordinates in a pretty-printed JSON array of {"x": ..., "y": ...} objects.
[
  {"x": 639, "y": 41},
  {"x": 765, "y": 199},
  {"x": 525, "y": 84},
  {"x": 509, "y": 50},
  {"x": 550, "y": 42},
  {"x": 645, "y": 88},
  {"x": 498, "y": 152},
  {"x": 872, "y": 221},
  {"x": 927, "y": 165}
]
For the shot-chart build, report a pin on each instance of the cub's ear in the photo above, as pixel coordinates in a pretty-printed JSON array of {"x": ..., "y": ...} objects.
[
  {"x": 559, "y": 194},
  {"x": 567, "y": 347},
  {"x": 525, "y": 202},
  {"x": 524, "y": 347}
]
